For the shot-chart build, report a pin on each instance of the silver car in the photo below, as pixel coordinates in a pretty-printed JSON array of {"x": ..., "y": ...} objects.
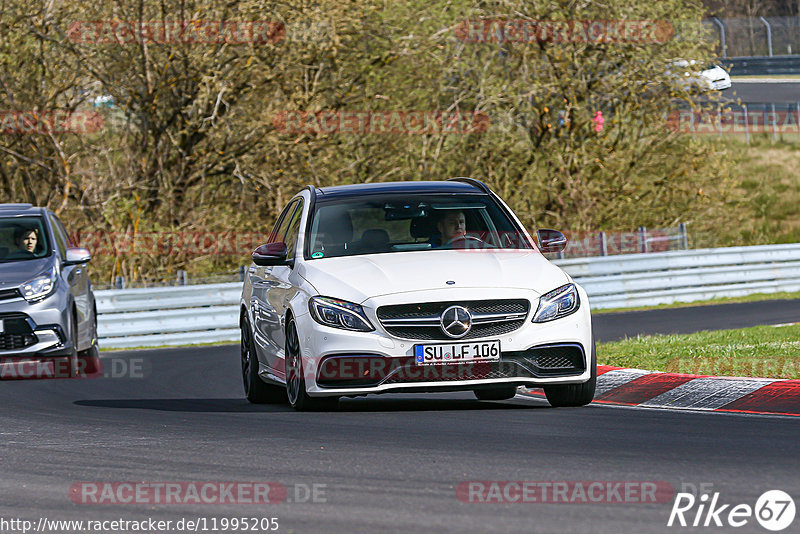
[{"x": 47, "y": 307}]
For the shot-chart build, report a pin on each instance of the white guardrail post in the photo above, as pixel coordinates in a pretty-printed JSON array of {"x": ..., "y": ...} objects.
[{"x": 210, "y": 313}]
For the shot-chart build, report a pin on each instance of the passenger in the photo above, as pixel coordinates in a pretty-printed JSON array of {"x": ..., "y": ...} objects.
[{"x": 26, "y": 240}]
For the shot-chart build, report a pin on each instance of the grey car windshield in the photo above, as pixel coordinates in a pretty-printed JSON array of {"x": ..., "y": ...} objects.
[
  {"x": 379, "y": 224},
  {"x": 23, "y": 238}
]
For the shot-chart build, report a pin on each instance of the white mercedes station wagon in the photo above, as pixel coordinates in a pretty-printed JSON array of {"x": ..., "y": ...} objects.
[{"x": 410, "y": 287}]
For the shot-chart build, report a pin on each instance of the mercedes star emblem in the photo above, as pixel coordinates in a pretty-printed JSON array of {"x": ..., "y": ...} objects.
[{"x": 456, "y": 321}]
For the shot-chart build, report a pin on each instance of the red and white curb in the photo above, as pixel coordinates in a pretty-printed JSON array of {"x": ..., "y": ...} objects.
[{"x": 652, "y": 389}]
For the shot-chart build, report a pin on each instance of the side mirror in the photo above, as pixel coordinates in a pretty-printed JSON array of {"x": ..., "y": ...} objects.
[
  {"x": 270, "y": 254},
  {"x": 77, "y": 255},
  {"x": 551, "y": 240}
]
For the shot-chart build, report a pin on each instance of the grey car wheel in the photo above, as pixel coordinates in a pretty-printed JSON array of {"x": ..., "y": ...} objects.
[
  {"x": 92, "y": 350},
  {"x": 299, "y": 399},
  {"x": 574, "y": 394},
  {"x": 73, "y": 365},
  {"x": 256, "y": 390}
]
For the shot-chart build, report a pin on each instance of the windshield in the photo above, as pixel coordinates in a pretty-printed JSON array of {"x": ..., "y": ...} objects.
[
  {"x": 23, "y": 238},
  {"x": 379, "y": 224}
]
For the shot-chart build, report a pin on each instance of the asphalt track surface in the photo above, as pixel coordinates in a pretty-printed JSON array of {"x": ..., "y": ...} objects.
[
  {"x": 615, "y": 326},
  {"x": 388, "y": 463},
  {"x": 758, "y": 92}
]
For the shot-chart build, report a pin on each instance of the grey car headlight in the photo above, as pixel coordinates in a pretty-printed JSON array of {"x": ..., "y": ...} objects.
[
  {"x": 557, "y": 304},
  {"x": 339, "y": 314},
  {"x": 39, "y": 287}
]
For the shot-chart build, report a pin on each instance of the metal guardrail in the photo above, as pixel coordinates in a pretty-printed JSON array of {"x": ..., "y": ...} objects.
[
  {"x": 209, "y": 313},
  {"x": 685, "y": 276},
  {"x": 763, "y": 65},
  {"x": 158, "y": 316}
]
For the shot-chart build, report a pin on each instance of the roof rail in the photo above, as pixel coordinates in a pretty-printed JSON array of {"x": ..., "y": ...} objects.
[
  {"x": 473, "y": 182},
  {"x": 15, "y": 206}
]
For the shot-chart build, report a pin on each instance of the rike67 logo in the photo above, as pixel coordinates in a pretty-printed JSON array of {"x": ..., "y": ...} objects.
[{"x": 774, "y": 510}]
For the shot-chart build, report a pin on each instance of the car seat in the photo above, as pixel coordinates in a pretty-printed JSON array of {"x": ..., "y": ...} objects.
[
  {"x": 373, "y": 241},
  {"x": 425, "y": 228}
]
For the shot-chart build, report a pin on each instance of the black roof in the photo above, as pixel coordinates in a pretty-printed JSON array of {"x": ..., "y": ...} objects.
[
  {"x": 12, "y": 210},
  {"x": 450, "y": 186}
]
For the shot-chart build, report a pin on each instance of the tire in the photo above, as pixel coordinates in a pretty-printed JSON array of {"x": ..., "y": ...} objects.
[
  {"x": 92, "y": 350},
  {"x": 299, "y": 399},
  {"x": 574, "y": 394},
  {"x": 89, "y": 364},
  {"x": 73, "y": 364},
  {"x": 496, "y": 393},
  {"x": 256, "y": 390}
]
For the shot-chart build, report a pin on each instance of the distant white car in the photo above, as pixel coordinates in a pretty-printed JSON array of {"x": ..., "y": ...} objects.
[
  {"x": 712, "y": 78},
  {"x": 717, "y": 78}
]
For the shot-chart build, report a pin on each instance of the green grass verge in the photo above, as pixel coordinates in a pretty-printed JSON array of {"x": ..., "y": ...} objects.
[
  {"x": 212, "y": 344},
  {"x": 784, "y": 295},
  {"x": 760, "y": 351}
]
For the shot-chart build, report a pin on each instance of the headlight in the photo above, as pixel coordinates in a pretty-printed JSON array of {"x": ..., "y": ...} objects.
[
  {"x": 39, "y": 287},
  {"x": 339, "y": 314},
  {"x": 557, "y": 304}
]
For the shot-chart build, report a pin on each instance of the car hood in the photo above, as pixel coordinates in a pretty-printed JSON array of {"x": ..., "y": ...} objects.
[
  {"x": 358, "y": 278},
  {"x": 16, "y": 273}
]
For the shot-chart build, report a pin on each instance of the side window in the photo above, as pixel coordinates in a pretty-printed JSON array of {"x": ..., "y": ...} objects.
[
  {"x": 293, "y": 232},
  {"x": 283, "y": 223},
  {"x": 64, "y": 232},
  {"x": 62, "y": 241}
]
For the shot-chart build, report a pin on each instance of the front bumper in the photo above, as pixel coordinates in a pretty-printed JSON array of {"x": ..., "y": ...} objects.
[
  {"x": 720, "y": 85},
  {"x": 36, "y": 329},
  {"x": 399, "y": 373}
]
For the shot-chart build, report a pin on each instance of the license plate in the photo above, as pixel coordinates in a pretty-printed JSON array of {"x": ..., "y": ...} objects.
[
  {"x": 2, "y": 329},
  {"x": 449, "y": 353}
]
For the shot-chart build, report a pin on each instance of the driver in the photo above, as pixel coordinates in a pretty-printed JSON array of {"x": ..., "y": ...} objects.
[
  {"x": 452, "y": 225},
  {"x": 26, "y": 240}
]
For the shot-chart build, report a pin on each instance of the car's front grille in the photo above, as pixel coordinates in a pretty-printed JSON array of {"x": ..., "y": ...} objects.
[
  {"x": 7, "y": 294},
  {"x": 16, "y": 341},
  {"x": 421, "y": 321},
  {"x": 435, "y": 333},
  {"x": 17, "y": 332},
  {"x": 365, "y": 370},
  {"x": 403, "y": 311}
]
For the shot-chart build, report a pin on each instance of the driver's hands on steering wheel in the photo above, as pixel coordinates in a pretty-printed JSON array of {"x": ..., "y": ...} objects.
[{"x": 465, "y": 241}]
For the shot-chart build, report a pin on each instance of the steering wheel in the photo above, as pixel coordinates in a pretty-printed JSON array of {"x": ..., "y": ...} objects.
[{"x": 465, "y": 241}]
